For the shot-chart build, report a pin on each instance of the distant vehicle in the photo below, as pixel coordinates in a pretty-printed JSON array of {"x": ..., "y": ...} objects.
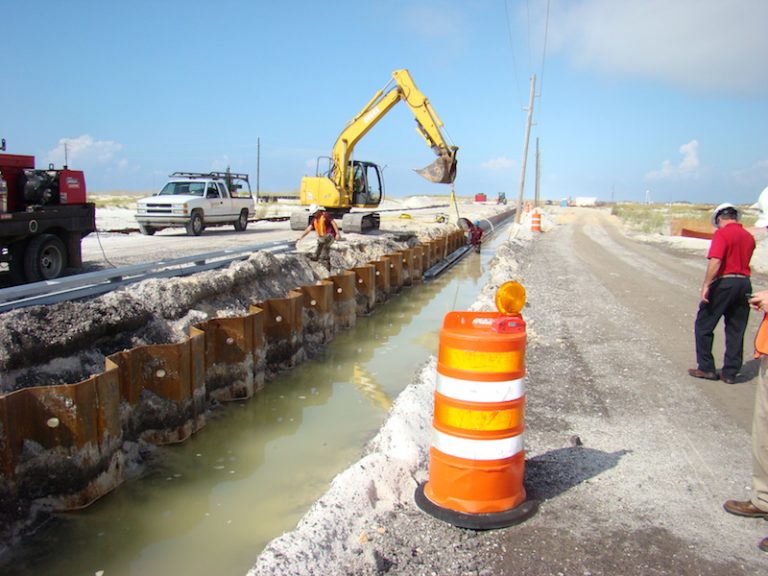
[
  {"x": 43, "y": 217},
  {"x": 196, "y": 200}
]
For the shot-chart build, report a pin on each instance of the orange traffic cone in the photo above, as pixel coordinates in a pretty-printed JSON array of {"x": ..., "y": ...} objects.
[
  {"x": 477, "y": 459},
  {"x": 536, "y": 221}
]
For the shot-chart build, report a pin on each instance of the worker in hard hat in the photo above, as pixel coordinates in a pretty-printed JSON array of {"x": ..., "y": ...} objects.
[
  {"x": 757, "y": 506},
  {"x": 475, "y": 235},
  {"x": 327, "y": 233},
  {"x": 724, "y": 295}
]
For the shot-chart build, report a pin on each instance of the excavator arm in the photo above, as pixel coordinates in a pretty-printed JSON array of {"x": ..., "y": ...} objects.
[{"x": 428, "y": 124}]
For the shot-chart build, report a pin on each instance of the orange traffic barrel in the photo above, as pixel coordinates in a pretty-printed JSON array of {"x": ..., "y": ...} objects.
[
  {"x": 536, "y": 221},
  {"x": 477, "y": 459}
]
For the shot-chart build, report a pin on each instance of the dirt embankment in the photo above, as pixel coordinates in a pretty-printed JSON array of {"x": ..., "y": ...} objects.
[{"x": 67, "y": 342}]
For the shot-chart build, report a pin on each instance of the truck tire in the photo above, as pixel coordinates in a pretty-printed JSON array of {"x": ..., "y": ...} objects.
[
  {"x": 196, "y": 225},
  {"x": 242, "y": 221},
  {"x": 146, "y": 230},
  {"x": 45, "y": 258}
]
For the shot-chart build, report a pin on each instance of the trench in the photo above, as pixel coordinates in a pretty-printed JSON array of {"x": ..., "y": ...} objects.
[{"x": 210, "y": 505}]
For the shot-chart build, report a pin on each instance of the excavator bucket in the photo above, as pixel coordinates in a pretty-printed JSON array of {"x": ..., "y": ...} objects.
[{"x": 442, "y": 170}]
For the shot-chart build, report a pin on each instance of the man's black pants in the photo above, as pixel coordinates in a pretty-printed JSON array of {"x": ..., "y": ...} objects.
[{"x": 727, "y": 300}]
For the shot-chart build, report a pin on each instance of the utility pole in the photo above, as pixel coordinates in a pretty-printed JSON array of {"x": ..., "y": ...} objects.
[
  {"x": 519, "y": 210},
  {"x": 258, "y": 167},
  {"x": 538, "y": 175}
]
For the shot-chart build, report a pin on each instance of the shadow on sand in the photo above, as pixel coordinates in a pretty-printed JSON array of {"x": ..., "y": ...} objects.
[{"x": 554, "y": 472}]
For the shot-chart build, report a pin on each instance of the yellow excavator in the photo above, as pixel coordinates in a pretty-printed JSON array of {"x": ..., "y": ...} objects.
[{"x": 342, "y": 183}]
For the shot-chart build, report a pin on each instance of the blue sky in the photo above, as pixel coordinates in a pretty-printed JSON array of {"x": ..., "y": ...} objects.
[{"x": 666, "y": 99}]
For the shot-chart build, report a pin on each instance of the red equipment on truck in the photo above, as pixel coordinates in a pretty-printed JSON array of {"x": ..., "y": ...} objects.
[{"x": 43, "y": 217}]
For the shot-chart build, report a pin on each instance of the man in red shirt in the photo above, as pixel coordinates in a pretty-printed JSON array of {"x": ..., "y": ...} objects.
[{"x": 724, "y": 295}]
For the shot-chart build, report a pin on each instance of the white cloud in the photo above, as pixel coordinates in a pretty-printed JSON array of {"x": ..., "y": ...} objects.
[
  {"x": 687, "y": 168},
  {"x": 755, "y": 176},
  {"x": 703, "y": 45},
  {"x": 83, "y": 150},
  {"x": 500, "y": 163}
]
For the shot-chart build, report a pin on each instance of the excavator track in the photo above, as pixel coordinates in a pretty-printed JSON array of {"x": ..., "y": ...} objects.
[{"x": 360, "y": 222}]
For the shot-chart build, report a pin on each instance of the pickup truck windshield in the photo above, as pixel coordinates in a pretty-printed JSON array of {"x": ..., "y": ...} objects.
[{"x": 183, "y": 188}]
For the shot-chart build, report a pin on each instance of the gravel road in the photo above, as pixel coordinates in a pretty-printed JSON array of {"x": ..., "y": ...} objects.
[{"x": 629, "y": 457}]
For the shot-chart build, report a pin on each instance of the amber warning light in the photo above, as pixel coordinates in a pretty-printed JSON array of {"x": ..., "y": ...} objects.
[{"x": 510, "y": 298}]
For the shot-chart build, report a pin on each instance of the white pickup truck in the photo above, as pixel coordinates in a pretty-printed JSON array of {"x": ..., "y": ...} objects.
[{"x": 196, "y": 200}]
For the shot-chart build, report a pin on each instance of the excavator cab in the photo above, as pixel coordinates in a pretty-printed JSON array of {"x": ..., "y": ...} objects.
[{"x": 367, "y": 183}]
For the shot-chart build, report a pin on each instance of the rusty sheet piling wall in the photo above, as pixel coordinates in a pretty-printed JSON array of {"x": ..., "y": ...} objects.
[{"x": 64, "y": 446}]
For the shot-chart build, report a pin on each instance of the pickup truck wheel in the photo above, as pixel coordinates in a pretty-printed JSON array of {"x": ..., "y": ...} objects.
[
  {"x": 146, "y": 230},
  {"x": 195, "y": 225},
  {"x": 45, "y": 258},
  {"x": 242, "y": 222}
]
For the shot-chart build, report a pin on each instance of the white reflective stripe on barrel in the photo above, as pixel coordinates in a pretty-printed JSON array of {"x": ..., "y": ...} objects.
[
  {"x": 477, "y": 449},
  {"x": 479, "y": 390}
]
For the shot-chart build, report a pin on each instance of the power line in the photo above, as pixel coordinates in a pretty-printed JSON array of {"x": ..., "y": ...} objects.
[
  {"x": 511, "y": 48},
  {"x": 528, "y": 24},
  {"x": 544, "y": 57}
]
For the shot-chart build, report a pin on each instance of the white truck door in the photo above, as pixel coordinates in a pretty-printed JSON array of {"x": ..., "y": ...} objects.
[{"x": 216, "y": 210}]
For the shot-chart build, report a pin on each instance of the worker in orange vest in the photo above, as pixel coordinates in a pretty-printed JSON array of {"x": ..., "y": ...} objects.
[
  {"x": 327, "y": 233},
  {"x": 757, "y": 506}
]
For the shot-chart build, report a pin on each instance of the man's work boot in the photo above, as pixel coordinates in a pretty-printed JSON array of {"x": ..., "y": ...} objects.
[
  {"x": 696, "y": 373},
  {"x": 744, "y": 508}
]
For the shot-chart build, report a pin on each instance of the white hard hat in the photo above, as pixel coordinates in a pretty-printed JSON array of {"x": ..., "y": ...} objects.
[
  {"x": 762, "y": 203},
  {"x": 720, "y": 209},
  {"x": 312, "y": 209}
]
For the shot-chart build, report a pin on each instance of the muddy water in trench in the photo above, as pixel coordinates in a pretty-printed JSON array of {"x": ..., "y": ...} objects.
[{"x": 210, "y": 506}]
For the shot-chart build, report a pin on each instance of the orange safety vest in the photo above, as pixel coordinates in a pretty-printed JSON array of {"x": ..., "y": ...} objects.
[
  {"x": 761, "y": 338},
  {"x": 322, "y": 224}
]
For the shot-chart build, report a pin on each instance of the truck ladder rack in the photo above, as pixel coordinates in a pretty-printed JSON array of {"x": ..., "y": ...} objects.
[{"x": 232, "y": 175}]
